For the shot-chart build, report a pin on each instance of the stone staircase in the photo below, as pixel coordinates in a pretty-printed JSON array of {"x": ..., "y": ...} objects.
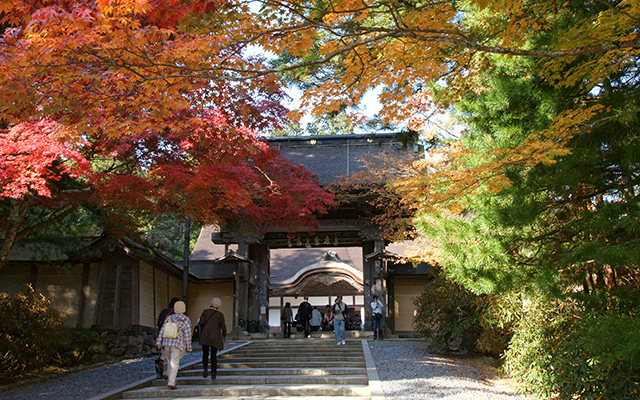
[{"x": 314, "y": 369}]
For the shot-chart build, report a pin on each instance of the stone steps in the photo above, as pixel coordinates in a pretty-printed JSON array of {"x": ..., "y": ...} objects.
[
  {"x": 281, "y": 389},
  {"x": 280, "y": 369},
  {"x": 284, "y": 359},
  {"x": 246, "y": 379},
  {"x": 197, "y": 371},
  {"x": 291, "y": 364},
  {"x": 258, "y": 398}
]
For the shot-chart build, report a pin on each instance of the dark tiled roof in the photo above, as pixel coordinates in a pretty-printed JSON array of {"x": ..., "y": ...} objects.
[
  {"x": 205, "y": 249},
  {"x": 210, "y": 270},
  {"x": 332, "y": 158}
]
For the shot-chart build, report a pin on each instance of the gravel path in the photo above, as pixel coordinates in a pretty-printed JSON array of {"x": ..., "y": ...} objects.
[
  {"x": 406, "y": 369},
  {"x": 86, "y": 383}
]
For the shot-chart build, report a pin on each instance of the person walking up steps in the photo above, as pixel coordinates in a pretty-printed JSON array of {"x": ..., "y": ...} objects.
[
  {"x": 161, "y": 363},
  {"x": 339, "y": 311},
  {"x": 286, "y": 319},
  {"x": 175, "y": 341},
  {"x": 304, "y": 315},
  {"x": 213, "y": 332}
]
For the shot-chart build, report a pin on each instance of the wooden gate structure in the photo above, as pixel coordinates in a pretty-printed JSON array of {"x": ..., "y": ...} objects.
[{"x": 332, "y": 158}]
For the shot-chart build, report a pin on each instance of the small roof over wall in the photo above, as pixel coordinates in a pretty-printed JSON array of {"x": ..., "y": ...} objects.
[
  {"x": 394, "y": 255},
  {"x": 89, "y": 249},
  {"x": 41, "y": 251}
]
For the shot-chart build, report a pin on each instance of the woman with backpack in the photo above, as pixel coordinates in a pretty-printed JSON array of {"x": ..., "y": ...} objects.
[{"x": 174, "y": 340}]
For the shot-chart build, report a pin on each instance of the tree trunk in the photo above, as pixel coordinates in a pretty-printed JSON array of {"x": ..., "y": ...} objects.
[{"x": 17, "y": 213}]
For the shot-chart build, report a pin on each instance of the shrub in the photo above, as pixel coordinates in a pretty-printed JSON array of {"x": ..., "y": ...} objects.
[
  {"x": 530, "y": 352},
  {"x": 599, "y": 360},
  {"x": 447, "y": 315},
  {"x": 498, "y": 316},
  {"x": 30, "y": 333},
  {"x": 563, "y": 350}
]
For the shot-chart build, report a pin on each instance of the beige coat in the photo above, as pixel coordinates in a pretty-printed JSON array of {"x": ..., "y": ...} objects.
[{"x": 212, "y": 328}]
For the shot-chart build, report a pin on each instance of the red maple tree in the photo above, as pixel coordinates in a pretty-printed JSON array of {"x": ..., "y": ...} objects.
[{"x": 99, "y": 108}]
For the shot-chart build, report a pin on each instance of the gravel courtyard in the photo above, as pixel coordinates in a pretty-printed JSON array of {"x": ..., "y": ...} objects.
[{"x": 406, "y": 370}]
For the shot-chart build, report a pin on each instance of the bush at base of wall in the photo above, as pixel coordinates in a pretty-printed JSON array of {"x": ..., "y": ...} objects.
[
  {"x": 30, "y": 332},
  {"x": 33, "y": 338}
]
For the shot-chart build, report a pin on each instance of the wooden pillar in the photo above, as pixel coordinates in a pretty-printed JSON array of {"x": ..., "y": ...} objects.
[
  {"x": 118, "y": 292},
  {"x": 373, "y": 280},
  {"x": 259, "y": 298},
  {"x": 391, "y": 303},
  {"x": 84, "y": 294},
  {"x": 135, "y": 293},
  {"x": 241, "y": 291}
]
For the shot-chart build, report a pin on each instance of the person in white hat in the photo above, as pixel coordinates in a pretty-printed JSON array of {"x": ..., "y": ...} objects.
[
  {"x": 175, "y": 341},
  {"x": 213, "y": 332}
]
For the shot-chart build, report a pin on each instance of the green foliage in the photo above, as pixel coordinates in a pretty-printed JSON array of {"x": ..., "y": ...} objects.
[
  {"x": 33, "y": 338},
  {"x": 528, "y": 358},
  {"x": 165, "y": 233},
  {"x": 599, "y": 359},
  {"x": 447, "y": 315},
  {"x": 563, "y": 351},
  {"x": 559, "y": 239},
  {"x": 498, "y": 317},
  {"x": 454, "y": 318},
  {"x": 31, "y": 333}
]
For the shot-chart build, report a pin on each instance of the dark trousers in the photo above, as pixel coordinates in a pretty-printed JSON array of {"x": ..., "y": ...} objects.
[
  {"x": 214, "y": 358},
  {"x": 377, "y": 328},
  {"x": 306, "y": 327},
  {"x": 286, "y": 329}
]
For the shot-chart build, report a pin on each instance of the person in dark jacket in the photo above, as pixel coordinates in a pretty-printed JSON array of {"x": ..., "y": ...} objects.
[
  {"x": 164, "y": 313},
  {"x": 213, "y": 332},
  {"x": 304, "y": 315},
  {"x": 286, "y": 318}
]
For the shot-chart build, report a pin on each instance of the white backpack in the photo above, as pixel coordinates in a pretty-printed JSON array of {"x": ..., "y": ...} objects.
[{"x": 171, "y": 330}]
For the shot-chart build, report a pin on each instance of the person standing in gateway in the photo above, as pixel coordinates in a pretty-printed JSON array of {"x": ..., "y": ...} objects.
[
  {"x": 213, "y": 331},
  {"x": 339, "y": 317},
  {"x": 165, "y": 312},
  {"x": 376, "y": 313}
]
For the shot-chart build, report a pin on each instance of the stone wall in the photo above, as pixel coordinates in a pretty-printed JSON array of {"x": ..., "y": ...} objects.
[{"x": 118, "y": 344}]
